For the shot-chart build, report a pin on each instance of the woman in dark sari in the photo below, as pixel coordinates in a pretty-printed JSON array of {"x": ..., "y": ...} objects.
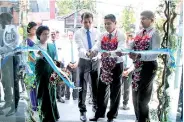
[{"x": 46, "y": 92}]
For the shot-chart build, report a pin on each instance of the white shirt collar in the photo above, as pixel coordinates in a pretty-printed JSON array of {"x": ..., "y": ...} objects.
[
  {"x": 85, "y": 30},
  {"x": 148, "y": 29},
  {"x": 113, "y": 33}
]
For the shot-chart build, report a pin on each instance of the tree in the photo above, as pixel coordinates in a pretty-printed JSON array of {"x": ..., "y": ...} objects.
[
  {"x": 128, "y": 18},
  {"x": 64, "y": 6},
  {"x": 67, "y": 6}
]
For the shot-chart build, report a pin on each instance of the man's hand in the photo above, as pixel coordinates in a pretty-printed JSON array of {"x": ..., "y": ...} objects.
[
  {"x": 106, "y": 54},
  {"x": 70, "y": 65},
  {"x": 125, "y": 73},
  {"x": 93, "y": 54},
  {"x": 66, "y": 70},
  {"x": 119, "y": 54},
  {"x": 134, "y": 56},
  {"x": 73, "y": 66},
  {"x": 90, "y": 54}
]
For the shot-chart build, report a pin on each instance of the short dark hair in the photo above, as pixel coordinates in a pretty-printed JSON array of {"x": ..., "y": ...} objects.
[
  {"x": 40, "y": 30},
  {"x": 86, "y": 15},
  {"x": 111, "y": 17},
  {"x": 30, "y": 25},
  {"x": 5, "y": 18},
  {"x": 148, "y": 14}
]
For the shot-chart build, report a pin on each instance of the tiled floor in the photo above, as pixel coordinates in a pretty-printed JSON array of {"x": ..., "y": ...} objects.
[{"x": 69, "y": 112}]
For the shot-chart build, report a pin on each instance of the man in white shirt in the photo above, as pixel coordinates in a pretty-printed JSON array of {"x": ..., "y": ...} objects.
[
  {"x": 71, "y": 59},
  {"x": 128, "y": 67},
  {"x": 112, "y": 41},
  {"x": 85, "y": 38},
  {"x": 59, "y": 57}
]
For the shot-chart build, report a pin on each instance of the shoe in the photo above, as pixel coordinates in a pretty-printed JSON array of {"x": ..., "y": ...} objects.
[
  {"x": 125, "y": 107},
  {"x": 94, "y": 119},
  {"x": 61, "y": 100},
  {"x": 110, "y": 120},
  {"x": 12, "y": 111},
  {"x": 1, "y": 112},
  {"x": 83, "y": 117},
  {"x": 6, "y": 105},
  {"x": 67, "y": 98},
  {"x": 75, "y": 98}
]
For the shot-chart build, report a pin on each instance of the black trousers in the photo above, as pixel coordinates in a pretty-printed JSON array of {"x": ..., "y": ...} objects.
[
  {"x": 114, "y": 89},
  {"x": 126, "y": 82},
  {"x": 60, "y": 91},
  {"x": 74, "y": 79},
  {"x": 8, "y": 79},
  {"x": 142, "y": 96},
  {"x": 16, "y": 94},
  {"x": 87, "y": 67}
]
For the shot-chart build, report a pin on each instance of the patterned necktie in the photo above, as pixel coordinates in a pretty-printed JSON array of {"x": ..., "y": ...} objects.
[
  {"x": 144, "y": 32},
  {"x": 72, "y": 56},
  {"x": 56, "y": 54},
  {"x": 89, "y": 39}
]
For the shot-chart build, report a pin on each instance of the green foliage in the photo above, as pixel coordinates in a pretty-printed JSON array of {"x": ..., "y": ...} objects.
[
  {"x": 128, "y": 18},
  {"x": 67, "y": 6},
  {"x": 29, "y": 81}
]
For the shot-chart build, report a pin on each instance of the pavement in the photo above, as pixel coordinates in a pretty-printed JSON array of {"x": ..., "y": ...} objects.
[{"x": 69, "y": 112}]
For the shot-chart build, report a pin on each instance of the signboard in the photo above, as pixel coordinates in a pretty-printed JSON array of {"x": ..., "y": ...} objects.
[{"x": 10, "y": 36}]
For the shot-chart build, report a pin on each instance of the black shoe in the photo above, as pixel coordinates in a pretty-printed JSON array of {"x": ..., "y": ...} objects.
[
  {"x": 1, "y": 112},
  {"x": 6, "y": 105},
  {"x": 94, "y": 119},
  {"x": 83, "y": 117},
  {"x": 61, "y": 100},
  {"x": 11, "y": 112},
  {"x": 75, "y": 98},
  {"x": 110, "y": 120},
  {"x": 66, "y": 98}
]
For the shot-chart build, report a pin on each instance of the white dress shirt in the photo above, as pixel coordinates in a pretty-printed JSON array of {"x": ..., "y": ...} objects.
[
  {"x": 68, "y": 52},
  {"x": 60, "y": 51},
  {"x": 121, "y": 43},
  {"x": 82, "y": 42}
]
